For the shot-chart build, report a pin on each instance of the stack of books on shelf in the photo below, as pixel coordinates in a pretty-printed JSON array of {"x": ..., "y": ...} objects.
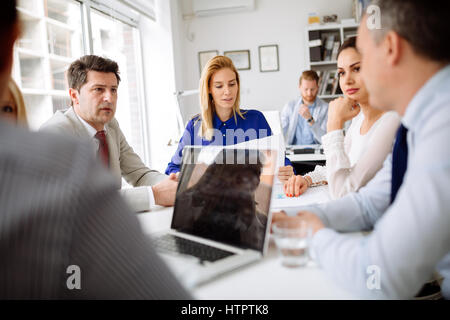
[
  {"x": 335, "y": 50},
  {"x": 328, "y": 82},
  {"x": 331, "y": 47},
  {"x": 315, "y": 46},
  {"x": 327, "y": 50},
  {"x": 323, "y": 47}
]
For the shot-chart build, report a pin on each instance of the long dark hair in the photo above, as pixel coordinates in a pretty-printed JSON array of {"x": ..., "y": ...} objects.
[{"x": 349, "y": 43}]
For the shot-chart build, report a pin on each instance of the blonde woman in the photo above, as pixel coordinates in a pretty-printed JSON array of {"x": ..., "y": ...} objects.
[
  {"x": 221, "y": 121},
  {"x": 12, "y": 106},
  {"x": 351, "y": 160}
]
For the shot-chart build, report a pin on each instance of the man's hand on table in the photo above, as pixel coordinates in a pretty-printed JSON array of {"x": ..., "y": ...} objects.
[{"x": 311, "y": 219}]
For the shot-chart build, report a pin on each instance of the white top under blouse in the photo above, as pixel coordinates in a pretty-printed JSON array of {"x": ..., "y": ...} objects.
[{"x": 352, "y": 160}]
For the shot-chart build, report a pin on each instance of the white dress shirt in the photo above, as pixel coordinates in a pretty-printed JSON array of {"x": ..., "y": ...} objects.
[
  {"x": 411, "y": 237},
  {"x": 92, "y": 132},
  {"x": 353, "y": 159}
]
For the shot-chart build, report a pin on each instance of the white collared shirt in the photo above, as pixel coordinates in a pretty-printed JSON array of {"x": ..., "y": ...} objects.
[{"x": 92, "y": 132}]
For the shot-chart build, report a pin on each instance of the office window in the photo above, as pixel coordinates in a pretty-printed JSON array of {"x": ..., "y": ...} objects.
[
  {"x": 119, "y": 41},
  {"x": 54, "y": 34},
  {"x": 51, "y": 38}
]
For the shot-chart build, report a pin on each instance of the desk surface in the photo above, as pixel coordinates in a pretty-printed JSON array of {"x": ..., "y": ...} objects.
[
  {"x": 313, "y": 195},
  {"x": 265, "y": 279}
]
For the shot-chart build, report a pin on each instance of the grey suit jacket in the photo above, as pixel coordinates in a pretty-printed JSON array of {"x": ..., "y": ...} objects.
[
  {"x": 59, "y": 208},
  {"x": 123, "y": 161}
]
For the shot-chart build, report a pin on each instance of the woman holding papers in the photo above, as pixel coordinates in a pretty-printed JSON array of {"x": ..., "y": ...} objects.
[
  {"x": 354, "y": 158},
  {"x": 221, "y": 121}
]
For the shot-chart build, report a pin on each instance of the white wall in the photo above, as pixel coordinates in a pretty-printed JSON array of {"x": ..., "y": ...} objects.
[
  {"x": 171, "y": 60},
  {"x": 280, "y": 22},
  {"x": 160, "y": 82}
]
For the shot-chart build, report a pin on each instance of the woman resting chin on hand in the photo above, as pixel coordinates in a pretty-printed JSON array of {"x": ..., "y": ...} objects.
[{"x": 354, "y": 157}]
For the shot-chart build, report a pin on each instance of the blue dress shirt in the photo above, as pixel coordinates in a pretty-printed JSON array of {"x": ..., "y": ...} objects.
[
  {"x": 303, "y": 133},
  {"x": 230, "y": 132},
  {"x": 297, "y": 130}
]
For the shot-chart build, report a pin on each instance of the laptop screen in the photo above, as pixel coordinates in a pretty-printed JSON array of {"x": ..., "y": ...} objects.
[{"x": 224, "y": 195}]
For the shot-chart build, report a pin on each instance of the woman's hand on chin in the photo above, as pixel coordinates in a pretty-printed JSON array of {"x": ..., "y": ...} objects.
[{"x": 341, "y": 110}]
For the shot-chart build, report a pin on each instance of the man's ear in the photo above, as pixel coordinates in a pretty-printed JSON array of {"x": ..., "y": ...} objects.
[
  {"x": 393, "y": 48},
  {"x": 73, "y": 93}
]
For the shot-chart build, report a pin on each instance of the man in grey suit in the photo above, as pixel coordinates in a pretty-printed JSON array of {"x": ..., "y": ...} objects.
[
  {"x": 64, "y": 230},
  {"x": 93, "y": 83}
]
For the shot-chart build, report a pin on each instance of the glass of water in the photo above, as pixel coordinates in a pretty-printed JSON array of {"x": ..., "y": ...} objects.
[{"x": 292, "y": 236}]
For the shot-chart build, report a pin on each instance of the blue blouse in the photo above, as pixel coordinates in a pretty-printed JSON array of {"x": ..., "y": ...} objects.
[{"x": 254, "y": 126}]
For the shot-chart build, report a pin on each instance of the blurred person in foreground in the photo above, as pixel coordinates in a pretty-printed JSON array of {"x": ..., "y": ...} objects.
[{"x": 60, "y": 212}]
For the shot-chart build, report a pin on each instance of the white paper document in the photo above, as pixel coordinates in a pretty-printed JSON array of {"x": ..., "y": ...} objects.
[{"x": 314, "y": 195}]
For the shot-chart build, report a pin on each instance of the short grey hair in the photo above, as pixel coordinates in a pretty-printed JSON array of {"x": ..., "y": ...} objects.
[{"x": 424, "y": 24}]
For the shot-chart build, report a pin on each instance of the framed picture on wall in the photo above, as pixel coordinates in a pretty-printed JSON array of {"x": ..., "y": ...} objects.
[
  {"x": 204, "y": 57},
  {"x": 241, "y": 58},
  {"x": 268, "y": 58}
]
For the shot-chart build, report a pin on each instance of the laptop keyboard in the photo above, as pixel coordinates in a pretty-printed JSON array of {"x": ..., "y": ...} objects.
[{"x": 171, "y": 243}]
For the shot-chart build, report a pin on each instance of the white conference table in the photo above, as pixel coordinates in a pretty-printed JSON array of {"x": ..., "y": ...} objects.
[{"x": 266, "y": 279}]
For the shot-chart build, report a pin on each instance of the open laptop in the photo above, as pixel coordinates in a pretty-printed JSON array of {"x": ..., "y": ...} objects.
[{"x": 221, "y": 218}]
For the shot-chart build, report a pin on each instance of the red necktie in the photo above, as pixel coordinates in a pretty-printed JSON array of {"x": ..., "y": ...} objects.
[{"x": 102, "y": 152}]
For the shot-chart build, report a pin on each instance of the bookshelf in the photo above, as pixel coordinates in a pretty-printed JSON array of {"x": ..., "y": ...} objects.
[
  {"x": 322, "y": 43},
  {"x": 51, "y": 39}
]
